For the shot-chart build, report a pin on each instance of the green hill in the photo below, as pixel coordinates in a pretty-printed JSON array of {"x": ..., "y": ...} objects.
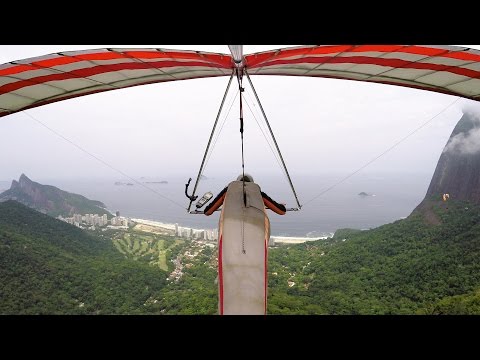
[
  {"x": 406, "y": 267},
  {"x": 50, "y": 267},
  {"x": 50, "y": 199}
]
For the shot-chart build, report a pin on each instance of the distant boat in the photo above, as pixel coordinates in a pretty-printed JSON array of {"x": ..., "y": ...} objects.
[
  {"x": 365, "y": 194},
  {"x": 119, "y": 183}
]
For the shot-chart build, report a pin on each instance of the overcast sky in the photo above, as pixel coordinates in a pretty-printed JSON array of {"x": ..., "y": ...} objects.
[{"x": 160, "y": 130}]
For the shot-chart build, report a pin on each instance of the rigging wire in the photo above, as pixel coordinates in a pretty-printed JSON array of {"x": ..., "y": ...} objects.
[
  {"x": 266, "y": 140},
  {"x": 252, "y": 100},
  {"x": 192, "y": 197},
  {"x": 220, "y": 131},
  {"x": 383, "y": 153},
  {"x": 100, "y": 160},
  {"x": 241, "y": 89},
  {"x": 274, "y": 140},
  {"x": 263, "y": 129}
]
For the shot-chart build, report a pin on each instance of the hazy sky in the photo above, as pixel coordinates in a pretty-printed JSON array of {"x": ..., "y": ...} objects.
[{"x": 159, "y": 130}]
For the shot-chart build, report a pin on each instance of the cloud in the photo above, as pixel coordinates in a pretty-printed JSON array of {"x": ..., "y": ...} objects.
[
  {"x": 472, "y": 109},
  {"x": 465, "y": 143}
]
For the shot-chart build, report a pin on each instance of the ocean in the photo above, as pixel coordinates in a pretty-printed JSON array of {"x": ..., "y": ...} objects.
[{"x": 395, "y": 196}]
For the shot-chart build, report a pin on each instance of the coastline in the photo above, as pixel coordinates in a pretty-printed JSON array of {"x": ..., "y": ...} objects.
[
  {"x": 276, "y": 239},
  {"x": 154, "y": 223},
  {"x": 296, "y": 239}
]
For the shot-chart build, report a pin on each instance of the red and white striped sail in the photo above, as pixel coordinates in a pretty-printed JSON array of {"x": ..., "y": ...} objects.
[
  {"x": 42, "y": 80},
  {"x": 38, "y": 81},
  {"x": 446, "y": 69}
]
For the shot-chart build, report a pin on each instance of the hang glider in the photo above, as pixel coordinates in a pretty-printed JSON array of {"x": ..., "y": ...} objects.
[{"x": 42, "y": 80}]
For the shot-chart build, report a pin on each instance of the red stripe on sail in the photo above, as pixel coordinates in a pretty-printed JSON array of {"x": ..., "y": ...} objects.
[
  {"x": 365, "y": 60},
  {"x": 88, "y": 92},
  {"x": 266, "y": 274},
  {"x": 220, "y": 273},
  {"x": 259, "y": 60},
  {"x": 101, "y": 69}
]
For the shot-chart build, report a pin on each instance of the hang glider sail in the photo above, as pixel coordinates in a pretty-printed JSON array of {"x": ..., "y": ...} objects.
[
  {"x": 42, "y": 80},
  {"x": 446, "y": 69}
]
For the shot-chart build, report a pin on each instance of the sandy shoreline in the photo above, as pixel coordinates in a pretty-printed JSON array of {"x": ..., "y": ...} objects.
[
  {"x": 279, "y": 239},
  {"x": 296, "y": 239},
  {"x": 154, "y": 223}
]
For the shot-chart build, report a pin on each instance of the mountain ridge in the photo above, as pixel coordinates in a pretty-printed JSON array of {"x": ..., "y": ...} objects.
[{"x": 51, "y": 200}]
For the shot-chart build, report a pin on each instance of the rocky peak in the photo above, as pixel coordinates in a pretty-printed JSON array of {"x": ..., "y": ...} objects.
[
  {"x": 458, "y": 169},
  {"x": 24, "y": 182},
  {"x": 15, "y": 185},
  {"x": 24, "y": 179}
]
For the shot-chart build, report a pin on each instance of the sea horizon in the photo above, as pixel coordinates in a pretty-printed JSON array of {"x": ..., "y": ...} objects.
[{"x": 396, "y": 196}]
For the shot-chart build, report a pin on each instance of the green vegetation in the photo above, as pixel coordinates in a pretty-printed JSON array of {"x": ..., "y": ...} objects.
[
  {"x": 467, "y": 304},
  {"x": 147, "y": 247},
  {"x": 191, "y": 290},
  {"x": 407, "y": 267},
  {"x": 50, "y": 267},
  {"x": 196, "y": 291}
]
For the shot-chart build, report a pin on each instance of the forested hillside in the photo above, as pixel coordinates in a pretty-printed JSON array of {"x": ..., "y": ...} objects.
[{"x": 50, "y": 267}]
